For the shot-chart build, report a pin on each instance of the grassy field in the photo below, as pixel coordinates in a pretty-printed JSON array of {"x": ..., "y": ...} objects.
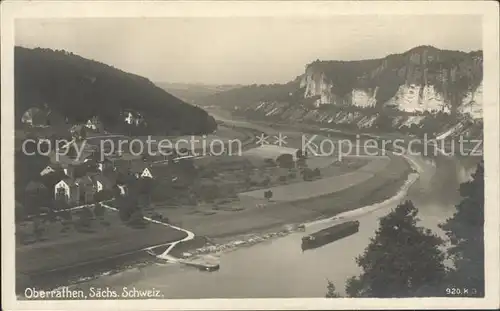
[{"x": 64, "y": 246}]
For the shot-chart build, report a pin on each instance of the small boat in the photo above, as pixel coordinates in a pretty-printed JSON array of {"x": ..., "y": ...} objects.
[
  {"x": 205, "y": 263},
  {"x": 330, "y": 234}
]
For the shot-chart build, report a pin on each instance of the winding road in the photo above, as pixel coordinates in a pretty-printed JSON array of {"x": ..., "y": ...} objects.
[{"x": 165, "y": 255}]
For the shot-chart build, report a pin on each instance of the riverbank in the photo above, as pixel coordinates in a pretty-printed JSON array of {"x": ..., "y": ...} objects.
[
  {"x": 281, "y": 219},
  {"x": 226, "y": 244}
]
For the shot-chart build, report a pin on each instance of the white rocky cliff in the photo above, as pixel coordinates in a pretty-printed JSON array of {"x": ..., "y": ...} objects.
[{"x": 423, "y": 79}]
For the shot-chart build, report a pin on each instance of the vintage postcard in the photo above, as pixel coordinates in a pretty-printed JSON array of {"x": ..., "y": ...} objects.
[{"x": 250, "y": 155}]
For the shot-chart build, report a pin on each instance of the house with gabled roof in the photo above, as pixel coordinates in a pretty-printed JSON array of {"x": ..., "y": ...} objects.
[
  {"x": 141, "y": 169},
  {"x": 68, "y": 189}
]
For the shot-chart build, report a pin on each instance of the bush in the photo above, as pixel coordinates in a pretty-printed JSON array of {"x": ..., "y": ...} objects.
[
  {"x": 285, "y": 161},
  {"x": 282, "y": 178},
  {"x": 103, "y": 195},
  {"x": 38, "y": 229},
  {"x": 85, "y": 217},
  {"x": 316, "y": 172},
  {"x": 125, "y": 213},
  {"x": 270, "y": 162},
  {"x": 157, "y": 217},
  {"x": 209, "y": 193},
  {"x": 301, "y": 163},
  {"x": 66, "y": 219},
  {"x": 307, "y": 174},
  {"x": 268, "y": 194}
]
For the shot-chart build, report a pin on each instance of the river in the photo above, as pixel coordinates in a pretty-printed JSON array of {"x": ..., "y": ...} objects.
[{"x": 280, "y": 269}]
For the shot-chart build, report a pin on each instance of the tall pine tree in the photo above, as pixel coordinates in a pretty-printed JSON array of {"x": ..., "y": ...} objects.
[
  {"x": 402, "y": 260},
  {"x": 466, "y": 232}
]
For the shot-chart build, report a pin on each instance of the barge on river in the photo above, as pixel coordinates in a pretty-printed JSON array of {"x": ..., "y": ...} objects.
[{"x": 330, "y": 234}]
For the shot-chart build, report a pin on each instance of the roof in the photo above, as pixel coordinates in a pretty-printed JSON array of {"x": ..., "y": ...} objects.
[
  {"x": 105, "y": 181},
  {"x": 70, "y": 182},
  {"x": 55, "y": 167}
]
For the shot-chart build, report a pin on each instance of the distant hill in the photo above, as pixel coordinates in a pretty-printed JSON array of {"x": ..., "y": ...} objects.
[
  {"x": 247, "y": 95},
  {"x": 192, "y": 93},
  {"x": 78, "y": 89},
  {"x": 424, "y": 90}
]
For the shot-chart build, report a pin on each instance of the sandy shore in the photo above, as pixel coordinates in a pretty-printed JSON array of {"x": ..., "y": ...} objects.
[
  {"x": 216, "y": 233},
  {"x": 221, "y": 245}
]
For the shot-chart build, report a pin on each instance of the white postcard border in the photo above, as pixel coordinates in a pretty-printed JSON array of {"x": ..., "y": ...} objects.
[{"x": 11, "y": 10}]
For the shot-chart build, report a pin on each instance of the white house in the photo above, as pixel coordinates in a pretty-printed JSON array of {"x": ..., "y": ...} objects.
[
  {"x": 141, "y": 170},
  {"x": 146, "y": 173},
  {"x": 68, "y": 189}
]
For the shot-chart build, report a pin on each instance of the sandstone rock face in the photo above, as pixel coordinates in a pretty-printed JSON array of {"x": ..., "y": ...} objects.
[{"x": 422, "y": 79}]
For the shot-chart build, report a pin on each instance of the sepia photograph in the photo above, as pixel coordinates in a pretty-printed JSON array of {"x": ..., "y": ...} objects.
[{"x": 250, "y": 155}]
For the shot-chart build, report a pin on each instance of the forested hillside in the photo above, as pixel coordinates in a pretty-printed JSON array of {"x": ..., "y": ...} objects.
[{"x": 79, "y": 88}]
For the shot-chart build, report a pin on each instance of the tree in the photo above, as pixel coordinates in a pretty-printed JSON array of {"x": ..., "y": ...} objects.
[
  {"x": 60, "y": 202},
  {"x": 331, "y": 291},
  {"x": 307, "y": 174},
  {"x": 465, "y": 230},
  {"x": 402, "y": 260},
  {"x": 268, "y": 194},
  {"x": 300, "y": 155},
  {"x": 316, "y": 172},
  {"x": 285, "y": 160},
  {"x": 145, "y": 188},
  {"x": 20, "y": 213},
  {"x": 137, "y": 220},
  {"x": 85, "y": 217},
  {"x": 127, "y": 205},
  {"x": 72, "y": 152},
  {"x": 38, "y": 228},
  {"x": 66, "y": 219},
  {"x": 270, "y": 162},
  {"x": 301, "y": 163}
]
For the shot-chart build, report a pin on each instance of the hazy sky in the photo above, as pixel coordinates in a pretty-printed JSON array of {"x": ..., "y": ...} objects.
[{"x": 244, "y": 50}]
